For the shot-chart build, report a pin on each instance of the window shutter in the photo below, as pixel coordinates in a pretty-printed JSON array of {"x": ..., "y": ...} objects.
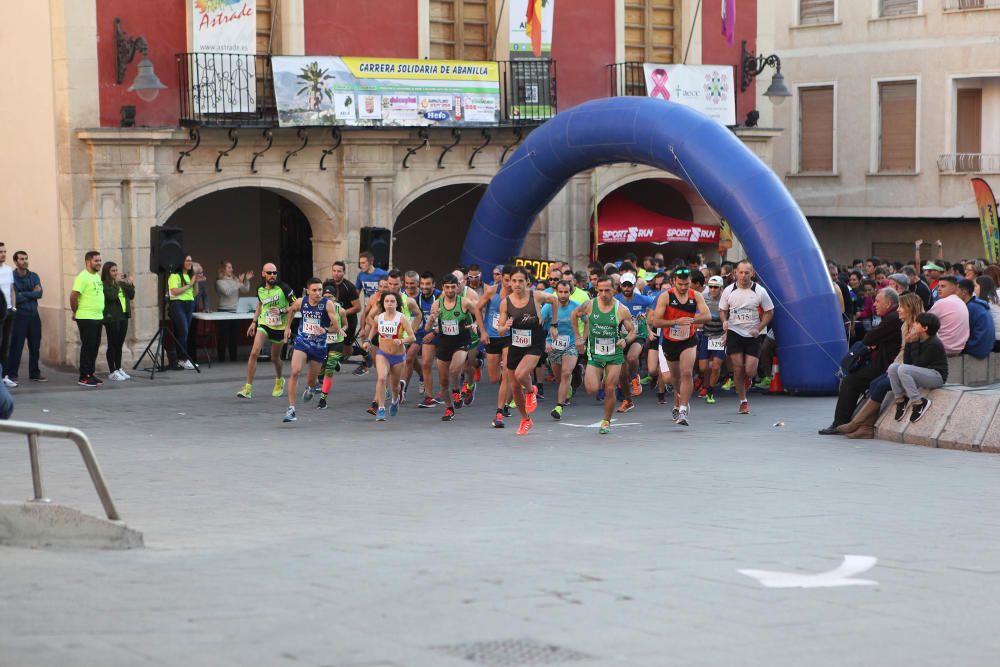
[
  {"x": 460, "y": 29},
  {"x": 816, "y": 136},
  {"x": 898, "y": 126},
  {"x": 898, "y": 7},
  {"x": 815, "y": 11},
  {"x": 969, "y": 129},
  {"x": 649, "y": 31}
]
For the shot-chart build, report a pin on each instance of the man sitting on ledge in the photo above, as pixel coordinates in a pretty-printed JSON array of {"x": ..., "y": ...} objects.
[
  {"x": 953, "y": 315},
  {"x": 981, "y": 328}
]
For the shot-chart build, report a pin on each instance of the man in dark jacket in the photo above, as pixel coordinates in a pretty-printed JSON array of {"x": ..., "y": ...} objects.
[
  {"x": 884, "y": 341},
  {"x": 27, "y": 323},
  {"x": 982, "y": 331}
]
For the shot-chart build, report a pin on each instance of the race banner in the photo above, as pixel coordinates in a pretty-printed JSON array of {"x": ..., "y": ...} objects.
[
  {"x": 385, "y": 92},
  {"x": 539, "y": 268},
  {"x": 709, "y": 89},
  {"x": 987, "y": 205},
  {"x": 531, "y": 28},
  {"x": 222, "y": 68}
]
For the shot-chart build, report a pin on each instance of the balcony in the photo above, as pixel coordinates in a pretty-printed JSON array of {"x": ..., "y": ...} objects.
[
  {"x": 236, "y": 90},
  {"x": 967, "y": 163},
  {"x": 961, "y": 5},
  {"x": 628, "y": 78}
]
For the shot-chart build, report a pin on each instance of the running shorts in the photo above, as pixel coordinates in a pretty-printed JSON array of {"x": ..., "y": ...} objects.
[
  {"x": 446, "y": 352},
  {"x": 515, "y": 354},
  {"x": 601, "y": 361},
  {"x": 705, "y": 353},
  {"x": 737, "y": 344},
  {"x": 393, "y": 359},
  {"x": 568, "y": 355},
  {"x": 276, "y": 336},
  {"x": 672, "y": 349},
  {"x": 315, "y": 353}
]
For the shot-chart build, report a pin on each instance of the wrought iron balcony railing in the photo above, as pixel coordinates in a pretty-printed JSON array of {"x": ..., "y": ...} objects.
[
  {"x": 956, "y": 5},
  {"x": 527, "y": 91},
  {"x": 627, "y": 78},
  {"x": 962, "y": 163}
]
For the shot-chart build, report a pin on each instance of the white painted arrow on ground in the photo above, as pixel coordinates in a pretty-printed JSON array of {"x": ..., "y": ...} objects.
[
  {"x": 839, "y": 576},
  {"x": 614, "y": 422}
]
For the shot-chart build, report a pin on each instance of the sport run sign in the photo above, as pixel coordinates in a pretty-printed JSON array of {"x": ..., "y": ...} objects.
[{"x": 660, "y": 234}]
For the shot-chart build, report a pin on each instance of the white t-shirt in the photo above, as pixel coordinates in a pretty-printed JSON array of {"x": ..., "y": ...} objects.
[
  {"x": 743, "y": 305},
  {"x": 7, "y": 285}
]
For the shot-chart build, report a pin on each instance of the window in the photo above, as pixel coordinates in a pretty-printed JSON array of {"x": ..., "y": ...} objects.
[
  {"x": 969, "y": 129},
  {"x": 461, "y": 29},
  {"x": 812, "y": 12},
  {"x": 649, "y": 31},
  {"x": 897, "y": 147},
  {"x": 816, "y": 135},
  {"x": 897, "y": 7}
]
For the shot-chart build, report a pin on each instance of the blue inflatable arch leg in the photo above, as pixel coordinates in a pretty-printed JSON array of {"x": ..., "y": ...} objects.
[{"x": 733, "y": 181}]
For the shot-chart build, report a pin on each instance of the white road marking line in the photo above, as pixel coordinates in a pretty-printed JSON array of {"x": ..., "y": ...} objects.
[{"x": 839, "y": 576}]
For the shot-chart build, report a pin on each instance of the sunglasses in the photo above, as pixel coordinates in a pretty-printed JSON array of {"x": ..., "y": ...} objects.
[
  {"x": 682, "y": 272},
  {"x": 270, "y": 273}
]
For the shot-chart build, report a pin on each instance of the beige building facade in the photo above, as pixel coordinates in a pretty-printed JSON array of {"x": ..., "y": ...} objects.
[{"x": 895, "y": 106}]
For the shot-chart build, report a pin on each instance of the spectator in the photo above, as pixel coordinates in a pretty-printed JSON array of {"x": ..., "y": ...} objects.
[
  {"x": 87, "y": 303},
  {"x": 932, "y": 274},
  {"x": 6, "y": 402},
  {"x": 867, "y": 317},
  {"x": 228, "y": 288},
  {"x": 993, "y": 271},
  {"x": 181, "y": 286},
  {"x": 986, "y": 290},
  {"x": 973, "y": 270},
  {"x": 953, "y": 316},
  {"x": 27, "y": 323},
  {"x": 925, "y": 365},
  {"x": 118, "y": 292},
  {"x": 982, "y": 333},
  {"x": 8, "y": 309},
  {"x": 900, "y": 283},
  {"x": 884, "y": 342},
  {"x": 918, "y": 286}
]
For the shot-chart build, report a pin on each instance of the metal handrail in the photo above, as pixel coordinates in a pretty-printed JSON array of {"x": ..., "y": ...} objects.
[
  {"x": 34, "y": 431},
  {"x": 969, "y": 162}
]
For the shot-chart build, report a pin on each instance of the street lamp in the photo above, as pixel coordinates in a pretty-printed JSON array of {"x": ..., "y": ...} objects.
[
  {"x": 146, "y": 85},
  {"x": 751, "y": 66}
]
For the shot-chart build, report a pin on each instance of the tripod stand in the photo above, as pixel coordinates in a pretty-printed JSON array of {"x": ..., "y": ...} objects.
[{"x": 163, "y": 338}]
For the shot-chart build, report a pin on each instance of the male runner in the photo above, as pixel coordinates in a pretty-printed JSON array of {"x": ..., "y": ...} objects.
[
  {"x": 366, "y": 283},
  {"x": 604, "y": 318},
  {"x": 679, "y": 310},
  {"x": 319, "y": 318},
  {"x": 561, "y": 349},
  {"x": 274, "y": 299},
  {"x": 334, "y": 345},
  {"x": 424, "y": 344},
  {"x": 473, "y": 361},
  {"x": 711, "y": 344},
  {"x": 347, "y": 296},
  {"x": 488, "y": 318},
  {"x": 638, "y": 305},
  {"x": 451, "y": 317},
  {"x": 745, "y": 309}
]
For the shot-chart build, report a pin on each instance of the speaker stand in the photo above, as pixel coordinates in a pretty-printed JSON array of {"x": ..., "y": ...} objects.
[{"x": 156, "y": 350}]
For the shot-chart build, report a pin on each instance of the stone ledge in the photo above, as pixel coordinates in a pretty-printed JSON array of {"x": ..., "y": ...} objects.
[
  {"x": 960, "y": 417},
  {"x": 966, "y": 370},
  {"x": 37, "y": 525}
]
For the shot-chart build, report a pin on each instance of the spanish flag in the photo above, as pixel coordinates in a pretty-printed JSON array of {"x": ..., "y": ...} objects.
[{"x": 533, "y": 26}]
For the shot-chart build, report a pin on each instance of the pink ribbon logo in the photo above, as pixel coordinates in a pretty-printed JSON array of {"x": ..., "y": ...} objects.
[{"x": 659, "y": 77}]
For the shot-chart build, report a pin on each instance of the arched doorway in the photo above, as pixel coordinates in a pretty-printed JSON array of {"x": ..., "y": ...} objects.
[
  {"x": 429, "y": 231},
  {"x": 247, "y": 226}
]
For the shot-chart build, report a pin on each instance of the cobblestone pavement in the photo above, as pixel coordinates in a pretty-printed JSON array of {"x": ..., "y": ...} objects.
[{"x": 336, "y": 541}]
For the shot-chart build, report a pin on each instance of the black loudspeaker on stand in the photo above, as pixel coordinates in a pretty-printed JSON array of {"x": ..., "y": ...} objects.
[
  {"x": 376, "y": 240},
  {"x": 166, "y": 256}
]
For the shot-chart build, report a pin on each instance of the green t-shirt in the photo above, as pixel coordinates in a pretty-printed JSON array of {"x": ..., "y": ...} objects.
[
  {"x": 180, "y": 280},
  {"x": 604, "y": 334},
  {"x": 274, "y": 304},
  {"x": 90, "y": 305}
]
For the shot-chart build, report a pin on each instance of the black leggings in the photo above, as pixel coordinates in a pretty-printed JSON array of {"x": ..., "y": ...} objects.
[{"x": 116, "y": 340}]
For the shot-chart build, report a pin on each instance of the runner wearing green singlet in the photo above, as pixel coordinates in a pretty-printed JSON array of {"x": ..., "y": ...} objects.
[
  {"x": 274, "y": 299},
  {"x": 334, "y": 347},
  {"x": 602, "y": 339},
  {"x": 473, "y": 361}
]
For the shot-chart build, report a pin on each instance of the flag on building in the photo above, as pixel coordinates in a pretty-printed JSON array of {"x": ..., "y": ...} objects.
[
  {"x": 533, "y": 26},
  {"x": 729, "y": 20}
]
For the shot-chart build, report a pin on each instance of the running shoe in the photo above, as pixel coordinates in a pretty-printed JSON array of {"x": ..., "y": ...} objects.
[
  {"x": 428, "y": 402},
  {"x": 448, "y": 414},
  {"x": 510, "y": 406},
  {"x": 456, "y": 400},
  {"x": 682, "y": 417},
  {"x": 506, "y": 411},
  {"x": 279, "y": 387},
  {"x": 626, "y": 406},
  {"x": 675, "y": 414},
  {"x": 764, "y": 383},
  {"x": 727, "y": 385},
  {"x": 661, "y": 398},
  {"x": 710, "y": 397},
  {"x": 600, "y": 395},
  {"x": 744, "y": 407},
  {"x": 557, "y": 412},
  {"x": 308, "y": 394},
  {"x": 44, "y": 379},
  {"x": 539, "y": 392},
  {"x": 498, "y": 419},
  {"x": 289, "y": 415},
  {"x": 402, "y": 391},
  {"x": 373, "y": 408},
  {"x": 900, "y": 411},
  {"x": 380, "y": 415},
  {"x": 605, "y": 427},
  {"x": 360, "y": 370},
  {"x": 245, "y": 392},
  {"x": 89, "y": 382},
  {"x": 703, "y": 392},
  {"x": 636, "y": 386},
  {"x": 919, "y": 409},
  {"x": 439, "y": 399},
  {"x": 670, "y": 389},
  {"x": 646, "y": 380},
  {"x": 187, "y": 365},
  {"x": 393, "y": 408},
  {"x": 321, "y": 404},
  {"x": 96, "y": 379},
  {"x": 525, "y": 426},
  {"x": 9, "y": 382},
  {"x": 470, "y": 394},
  {"x": 531, "y": 402}
]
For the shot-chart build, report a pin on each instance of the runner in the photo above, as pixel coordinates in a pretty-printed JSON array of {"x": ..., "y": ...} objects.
[
  {"x": 319, "y": 318},
  {"x": 656, "y": 373},
  {"x": 366, "y": 284},
  {"x": 451, "y": 316},
  {"x": 745, "y": 309},
  {"x": 366, "y": 328},
  {"x": 473, "y": 360},
  {"x": 274, "y": 299},
  {"x": 638, "y": 305},
  {"x": 488, "y": 317},
  {"x": 602, "y": 338},
  {"x": 519, "y": 315},
  {"x": 334, "y": 344},
  {"x": 393, "y": 328},
  {"x": 347, "y": 296},
  {"x": 679, "y": 310},
  {"x": 410, "y": 310},
  {"x": 424, "y": 345},
  {"x": 411, "y": 287},
  {"x": 561, "y": 349},
  {"x": 711, "y": 344}
]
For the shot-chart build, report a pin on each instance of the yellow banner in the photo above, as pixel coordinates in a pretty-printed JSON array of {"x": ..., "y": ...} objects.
[
  {"x": 987, "y": 205},
  {"x": 442, "y": 70}
]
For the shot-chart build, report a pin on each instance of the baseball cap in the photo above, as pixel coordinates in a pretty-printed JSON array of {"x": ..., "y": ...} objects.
[
  {"x": 628, "y": 277},
  {"x": 931, "y": 266},
  {"x": 901, "y": 279},
  {"x": 715, "y": 281}
]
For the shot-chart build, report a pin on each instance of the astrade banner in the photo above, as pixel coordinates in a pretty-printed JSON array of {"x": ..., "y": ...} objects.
[
  {"x": 222, "y": 72},
  {"x": 385, "y": 92},
  {"x": 224, "y": 26},
  {"x": 987, "y": 205},
  {"x": 531, "y": 28},
  {"x": 709, "y": 89}
]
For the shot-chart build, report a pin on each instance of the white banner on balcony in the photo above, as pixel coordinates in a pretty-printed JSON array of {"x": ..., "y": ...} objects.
[
  {"x": 223, "y": 76},
  {"x": 710, "y": 89}
]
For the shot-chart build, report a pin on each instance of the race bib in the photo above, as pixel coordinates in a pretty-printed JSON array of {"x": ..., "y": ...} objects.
[
  {"x": 495, "y": 320},
  {"x": 450, "y": 327},
  {"x": 744, "y": 315},
  {"x": 520, "y": 338},
  {"x": 716, "y": 344},
  {"x": 679, "y": 332},
  {"x": 273, "y": 318},
  {"x": 388, "y": 329},
  {"x": 604, "y": 346},
  {"x": 311, "y": 326},
  {"x": 334, "y": 338},
  {"x": 561, "y": 343}
]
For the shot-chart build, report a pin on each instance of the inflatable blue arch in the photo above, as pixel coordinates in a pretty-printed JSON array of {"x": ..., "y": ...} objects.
[{"x": 733, "y": 181}]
